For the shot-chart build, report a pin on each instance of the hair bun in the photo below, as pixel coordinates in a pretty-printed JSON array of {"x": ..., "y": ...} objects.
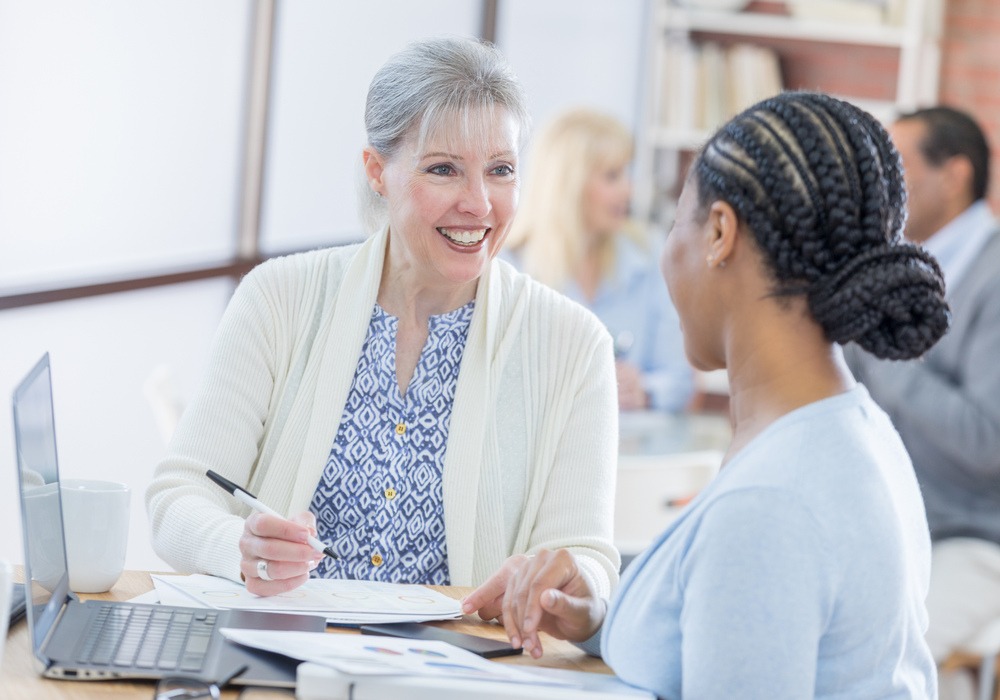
[{"x": 889, "y": 300}]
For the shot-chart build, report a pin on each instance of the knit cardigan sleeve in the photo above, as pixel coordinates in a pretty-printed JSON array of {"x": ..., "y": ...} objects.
[
  {"x": 561, "y": 380},
  {"x": 234, "y": 417}
]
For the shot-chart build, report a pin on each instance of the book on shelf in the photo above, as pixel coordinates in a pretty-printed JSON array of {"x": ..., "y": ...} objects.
[
  {"x": 754, "y": 75},
  {"x": 704, "y": 84},
  {"x": 678, "y": 87},
  {"x": 713, "y": 86}
]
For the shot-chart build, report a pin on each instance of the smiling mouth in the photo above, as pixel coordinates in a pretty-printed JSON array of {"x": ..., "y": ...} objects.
[{"x": 464, "y": 237}]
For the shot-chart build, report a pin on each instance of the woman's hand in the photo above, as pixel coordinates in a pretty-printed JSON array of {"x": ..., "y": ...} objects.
[
  {"x": 283, "y": 547},
  {"x": 546, "y": 592},
  {"x": 631, "y": 394}
]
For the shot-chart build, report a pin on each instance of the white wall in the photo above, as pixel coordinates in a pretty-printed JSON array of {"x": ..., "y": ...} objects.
[
  {"x": 576, "y": 53},
  {"x": 121, "y": 133},
  {"x": 103, "y": 350},
  {"x": 325, "y": 54},
  {"x": 120, "y": 128}
]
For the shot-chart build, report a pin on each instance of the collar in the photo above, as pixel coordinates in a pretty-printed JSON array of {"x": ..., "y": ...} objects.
[{"x": 959, "y": 241}]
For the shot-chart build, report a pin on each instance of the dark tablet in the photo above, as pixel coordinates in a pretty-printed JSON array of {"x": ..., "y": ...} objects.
[{"x": 487, "y": 648}]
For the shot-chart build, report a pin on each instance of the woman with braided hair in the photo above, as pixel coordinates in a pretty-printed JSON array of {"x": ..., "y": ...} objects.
[{"x": 802, "y": 569}]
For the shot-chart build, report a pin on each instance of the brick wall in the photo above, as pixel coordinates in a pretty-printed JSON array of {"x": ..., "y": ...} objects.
[
  {"x": 970, "y": 70},
  {"x": 970, "y": 67}
]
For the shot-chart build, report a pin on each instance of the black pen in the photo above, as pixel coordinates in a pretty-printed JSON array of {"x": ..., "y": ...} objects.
[{"x": 244, "y": 496}]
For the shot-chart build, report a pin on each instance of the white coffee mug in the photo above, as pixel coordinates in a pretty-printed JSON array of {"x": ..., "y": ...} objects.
[
  {"x": 6, "y": 585},
  {"x": 96, "y": 521}
]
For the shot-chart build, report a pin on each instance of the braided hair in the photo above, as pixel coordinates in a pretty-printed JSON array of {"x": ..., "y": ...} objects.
[{"x": 820, "y": 186}]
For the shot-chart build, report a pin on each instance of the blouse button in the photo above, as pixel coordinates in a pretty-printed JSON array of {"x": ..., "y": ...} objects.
[
  {"x": 390, "y": 493},
  {"x": 400, "y": 428},
  {"x": 377, "y": 560}
]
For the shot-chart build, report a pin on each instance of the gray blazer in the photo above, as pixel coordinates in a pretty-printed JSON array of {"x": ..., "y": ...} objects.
[{"x": 946, "y": 406}]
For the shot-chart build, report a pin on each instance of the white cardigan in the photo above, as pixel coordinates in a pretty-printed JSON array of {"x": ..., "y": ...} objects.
[{"x": 531, "y": 453}]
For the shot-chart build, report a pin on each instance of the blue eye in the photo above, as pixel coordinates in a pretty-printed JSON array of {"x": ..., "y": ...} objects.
[
  {"x": 442, "y": 169},
  {"x": 503, "y": 170}
]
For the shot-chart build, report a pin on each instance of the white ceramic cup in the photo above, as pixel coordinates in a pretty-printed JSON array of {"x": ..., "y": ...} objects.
[
  {"x": 6, "y": 584},
  {"x": 96, "y": 520}
]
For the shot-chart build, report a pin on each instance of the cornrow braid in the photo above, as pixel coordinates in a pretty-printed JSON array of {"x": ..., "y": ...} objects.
[{"x": 819, "y": 185}]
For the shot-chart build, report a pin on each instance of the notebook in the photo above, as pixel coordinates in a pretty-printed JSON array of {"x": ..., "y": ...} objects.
[{"x": 96, "y": 640}]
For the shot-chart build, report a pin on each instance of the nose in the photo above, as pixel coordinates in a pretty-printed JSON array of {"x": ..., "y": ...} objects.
[{"x": 475, "y": 197}]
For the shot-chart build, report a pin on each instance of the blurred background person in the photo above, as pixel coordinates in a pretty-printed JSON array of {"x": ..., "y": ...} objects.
[
  {"x": 573, "y": 233},
  {"x": 946, "y": 406}
]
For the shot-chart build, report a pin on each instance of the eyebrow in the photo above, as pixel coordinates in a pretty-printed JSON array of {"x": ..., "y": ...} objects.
[{"x": 453, "y": 156}]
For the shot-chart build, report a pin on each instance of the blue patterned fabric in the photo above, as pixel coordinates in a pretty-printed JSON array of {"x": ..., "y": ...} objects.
[{"x": 380, "y": 501}]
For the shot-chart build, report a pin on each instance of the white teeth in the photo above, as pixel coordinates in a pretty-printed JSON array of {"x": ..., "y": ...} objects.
[{"x": 463, "y": 237}]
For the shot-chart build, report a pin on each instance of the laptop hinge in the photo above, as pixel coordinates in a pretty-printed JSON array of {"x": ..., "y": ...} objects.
[{"x": 47, "y": 660}]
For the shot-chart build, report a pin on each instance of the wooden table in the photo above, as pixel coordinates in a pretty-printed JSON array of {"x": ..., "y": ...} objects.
[{"x": 19, "y": 679}]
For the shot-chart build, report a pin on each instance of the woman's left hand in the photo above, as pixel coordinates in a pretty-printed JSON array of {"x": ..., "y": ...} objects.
[{"x": 546, "y": 592}]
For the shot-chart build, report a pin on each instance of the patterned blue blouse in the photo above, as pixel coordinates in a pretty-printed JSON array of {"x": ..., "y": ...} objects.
[{"x": 380, "y": 500}]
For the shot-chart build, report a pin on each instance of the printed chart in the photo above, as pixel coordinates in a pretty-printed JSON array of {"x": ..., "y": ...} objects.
[{"x": 341, "y": 601}]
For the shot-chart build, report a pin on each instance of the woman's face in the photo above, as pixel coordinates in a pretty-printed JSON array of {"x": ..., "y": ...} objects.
[
  {"x": 684, "y": 267},
  {"x": 451, "y": 203},
  {"x": 606, "y": 198}
]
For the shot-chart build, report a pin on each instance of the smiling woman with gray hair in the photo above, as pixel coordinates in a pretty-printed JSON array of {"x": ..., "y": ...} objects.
[{"x": 424, "y": 408}]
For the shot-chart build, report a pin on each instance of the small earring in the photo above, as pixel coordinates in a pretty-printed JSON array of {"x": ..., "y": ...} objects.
[{"x": 722, "y": 263}]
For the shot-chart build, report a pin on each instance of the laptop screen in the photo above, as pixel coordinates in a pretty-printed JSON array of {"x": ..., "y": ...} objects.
[{"x": 41, "y": 505}]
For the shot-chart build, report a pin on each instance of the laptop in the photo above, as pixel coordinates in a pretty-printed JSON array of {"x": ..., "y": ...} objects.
[
  {"x": 17, "y": 604},
  {"x": 95, "y": 640}
]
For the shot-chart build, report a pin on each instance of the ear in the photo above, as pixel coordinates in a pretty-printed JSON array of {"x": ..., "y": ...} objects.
[
  {"x": 721, "y": 230},
  {"x": 374, "y": 165},
  {"x": 957, "y": 172}
]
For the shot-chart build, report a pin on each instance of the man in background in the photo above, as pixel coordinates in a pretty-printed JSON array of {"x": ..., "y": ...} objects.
[{"x": 946, "y": 406}]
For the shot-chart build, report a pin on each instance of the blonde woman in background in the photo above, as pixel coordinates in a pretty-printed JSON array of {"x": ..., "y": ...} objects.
[{"x": 573, "y": 233}]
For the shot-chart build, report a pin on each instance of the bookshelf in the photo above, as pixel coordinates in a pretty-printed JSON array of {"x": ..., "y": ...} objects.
[{"x": 702, "y": 66}]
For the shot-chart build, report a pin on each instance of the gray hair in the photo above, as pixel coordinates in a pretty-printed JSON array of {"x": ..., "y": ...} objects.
[{"x": 427, "y": 82}]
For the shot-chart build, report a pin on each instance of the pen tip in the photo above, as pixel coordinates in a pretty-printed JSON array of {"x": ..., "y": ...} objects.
[{"x": 328, "y": 551}]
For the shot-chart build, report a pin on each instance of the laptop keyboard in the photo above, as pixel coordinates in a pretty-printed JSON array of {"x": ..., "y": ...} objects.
[{"x": 148, "y": 638}]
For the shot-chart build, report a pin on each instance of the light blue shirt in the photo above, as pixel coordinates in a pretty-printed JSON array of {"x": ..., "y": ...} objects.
[
  {"x": 635, "y": 307},
  {"x": 799, "y": 572},
  {"x": 958, "y": 243}
]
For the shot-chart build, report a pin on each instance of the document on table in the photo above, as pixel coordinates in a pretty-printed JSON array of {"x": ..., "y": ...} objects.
[
  {"x": 320, "y": 682},
  {"x": 358, "y": 667},
  {"x": 364, "y": 655},
  {"x": 341, "y": 601}
]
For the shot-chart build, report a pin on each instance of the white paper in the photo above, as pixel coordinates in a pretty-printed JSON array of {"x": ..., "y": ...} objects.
[
  {"x": 148, "y": 598},
  {"x": 363, "y": 655},
  {"x": 340, "y": 601}
]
